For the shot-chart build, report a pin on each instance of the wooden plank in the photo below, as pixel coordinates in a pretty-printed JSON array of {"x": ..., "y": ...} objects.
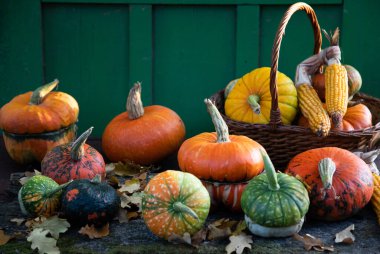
[
  {"x": 140, "y": 48},
  {"x": 247, "y": 38},
  {"x": 360, "y": 40},
  {"x": 21, "y": 66},
  {"x": 200, "y": 2},
  {"x": 87, "y": 49}
]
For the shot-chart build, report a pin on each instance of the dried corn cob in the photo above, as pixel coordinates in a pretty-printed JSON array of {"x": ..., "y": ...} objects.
[
  {"x": 336, "y": 92},
  {"x": 336, "y": 84},
  {"x": 375, "y": 200},
  {"x": 312, "y": 108}
]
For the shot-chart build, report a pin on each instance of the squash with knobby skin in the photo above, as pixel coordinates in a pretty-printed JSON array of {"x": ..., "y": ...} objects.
[
  {"x": 75, "y": 160},
  {"x": 250, "y": 100},
  {"x": 339, "y": 182},
  {"x": 175, "y": 202},
  {"x": 35, "y": 122},
  {"x": 274, "y": 203}
]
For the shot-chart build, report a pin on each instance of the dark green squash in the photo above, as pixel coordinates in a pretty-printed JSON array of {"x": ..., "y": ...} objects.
[
  {"x": 274, "y": 203},
  {"x": 40, "y": 195},
  {"x": 90, "y": 202}
]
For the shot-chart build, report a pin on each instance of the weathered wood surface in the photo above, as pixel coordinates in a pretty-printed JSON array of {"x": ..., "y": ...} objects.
[{"x": 134, "y": 237}]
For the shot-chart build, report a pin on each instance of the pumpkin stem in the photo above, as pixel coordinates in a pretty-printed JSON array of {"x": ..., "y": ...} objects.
[
  {"x": 77, "y": 150},
  {"x": 326, "y": 169},
  {"x": 39, "y": 94},
  {"x": 179, "y": 207},
  {"x": 135, "y": 107},
  {"x": 270, "y": 171},
  {"x": 59, "y": 188},
  {"x": 220, "y": 125},
  {"x": 97, "y": 179},
  {"x": 254, "y": 102}
]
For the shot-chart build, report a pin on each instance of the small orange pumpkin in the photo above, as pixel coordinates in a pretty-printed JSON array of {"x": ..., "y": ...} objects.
[
  {"x": 35, "y": 122},
  {"x": 144, "y": 135},
  {"x": 356, "y": 118},
  {"x": 219, "y": 156}
]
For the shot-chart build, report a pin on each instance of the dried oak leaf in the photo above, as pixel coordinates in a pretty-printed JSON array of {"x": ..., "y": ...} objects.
[
  {"x": 199, "y": 237},
  {"x": 345, "y": 236},
  {"x": 221, "y": 229},
  {"x": 186, "y": 238},
  {"x": 18, "y": 221},
  {"x": 54, "y": 225},
  {"x": 93, "y": 232},
  {"x": 126, "y": 169},
  {"x": 238, "y": 243},
  {"x": 311, "y": 242},
  {"x": 4, "y": 238},
  {"x": 28, "y": 175},
  {"x": 240, "y": 227},
  {"x": 135, "y": 199},
  {"x": 42, "y": 242},
  {"x": 130, "y": 186}
]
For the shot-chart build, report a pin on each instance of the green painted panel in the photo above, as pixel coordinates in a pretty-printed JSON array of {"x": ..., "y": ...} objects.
[
  {"x": 194, "y": 56},
  {"x": 86, "y": 47},
  {"x": 298, "y": 42},
  {"x": 20, "y": 48},
  {"x": 361, "y": 40}
]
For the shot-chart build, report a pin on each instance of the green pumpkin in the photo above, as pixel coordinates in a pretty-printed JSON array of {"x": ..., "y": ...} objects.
[
  {"x": 40, "y": 195},
  {"x": 274, "y": 200}
]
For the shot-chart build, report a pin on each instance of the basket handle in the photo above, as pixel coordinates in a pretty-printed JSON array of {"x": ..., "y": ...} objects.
[{"x": 275, "y": 116}]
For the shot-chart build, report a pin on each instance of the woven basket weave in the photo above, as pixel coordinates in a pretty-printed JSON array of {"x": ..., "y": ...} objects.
[{"x": 283, "y": 142}]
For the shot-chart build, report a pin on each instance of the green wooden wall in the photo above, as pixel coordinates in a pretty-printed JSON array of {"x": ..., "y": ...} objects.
[{"x": 181, "y": 50}]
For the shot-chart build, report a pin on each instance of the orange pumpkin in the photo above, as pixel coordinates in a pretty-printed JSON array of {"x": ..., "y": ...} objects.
[
  {"x": 356, "y": 118},
  {"x": 219, "y": 156},
  {"x": 35, "y": 122},
  {"x": 144, "y": 135},
  {"x": 339, "y": 183}
]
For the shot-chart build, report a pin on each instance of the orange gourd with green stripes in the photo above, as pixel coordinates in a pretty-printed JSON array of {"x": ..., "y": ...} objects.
[
  {"x": 312, "y": 108},
  {"x": 375, "y": 200},
  {"x": 175, "y": 202}
]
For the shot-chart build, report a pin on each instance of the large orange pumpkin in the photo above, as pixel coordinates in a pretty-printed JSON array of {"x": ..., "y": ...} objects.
[
  {"x": 339, "y": 182},
  {"x": 144, "y": 135},
  {"x": 357, "y": 117},
  {"x": 35, "y": 122},
  {"x": 219, "y": 156}
]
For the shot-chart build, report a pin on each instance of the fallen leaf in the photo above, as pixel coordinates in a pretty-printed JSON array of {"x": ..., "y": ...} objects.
[
  {"x": 29, "y": 175},
  {"x": 174, "y": 238},
  {"x": 4, "y": 238},
  {"x": 238, "y": 243},
  {"x": 130, "y": 186},
  {"x": 345, "y": 236},
  {"x": 135, "y": 199},
  {"x": 123, "y": 216},
  {"x": 54, "y": 225},
  {"x": 311, "y": 242},
  {"x": 241, "y": 226},
  {"x": 218, "y": 233},
  {"x": 42, "y": 242},
  {"x": 18, "y": 221},
  {"x": 93, "y": 232},
  {"x": 113, "y": 181},
  {"x": 132, "y": 215},
  {"x": 199, "y": 237},
  {"x": 31, "y": 222},
  {"x": 129, "y": 169}
]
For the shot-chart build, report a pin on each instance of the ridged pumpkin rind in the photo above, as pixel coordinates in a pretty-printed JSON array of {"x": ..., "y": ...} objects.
[
  {"x": 257, "y": 83},
  {"x": 352, "y": 184},
  {"x": 33, "y": 200},
  {"x": 162, "y": 192},
  {"x": 275, "y": 208}
]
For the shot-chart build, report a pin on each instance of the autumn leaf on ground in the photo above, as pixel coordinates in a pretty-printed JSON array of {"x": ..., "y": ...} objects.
[
  {"x": 174, "y": 238},
  {"x": 135, "y": 199},
  {"x": 199, "y": 237},
  {"x": 93, "y": 232},
  {"x": 4, "y": 238},
  {"x": 28, "y": 175},
  {"x": 238, "y": 243},
  {"x": 241, "y": 226},
  {"x": 42, "y": 242},
  {"x": 130, "y": 186},
  {"x": 345, "y": 236},
  {"x": 311, "y": 242},
  {"x": 126, "y": 169},
  {"x": 221, "y": 229},
  {"x": 113, "y": 181},
  {"x": 54, "y": 225},
  {"x": 18, "y": 221},
  {"x": 32, "y": 222}
]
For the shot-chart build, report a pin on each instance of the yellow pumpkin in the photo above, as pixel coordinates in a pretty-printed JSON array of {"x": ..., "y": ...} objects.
[{"x": 250, "y": 99}]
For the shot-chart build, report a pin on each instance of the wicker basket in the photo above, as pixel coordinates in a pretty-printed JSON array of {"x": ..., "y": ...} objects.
[{"x": 283, "y": 142}]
